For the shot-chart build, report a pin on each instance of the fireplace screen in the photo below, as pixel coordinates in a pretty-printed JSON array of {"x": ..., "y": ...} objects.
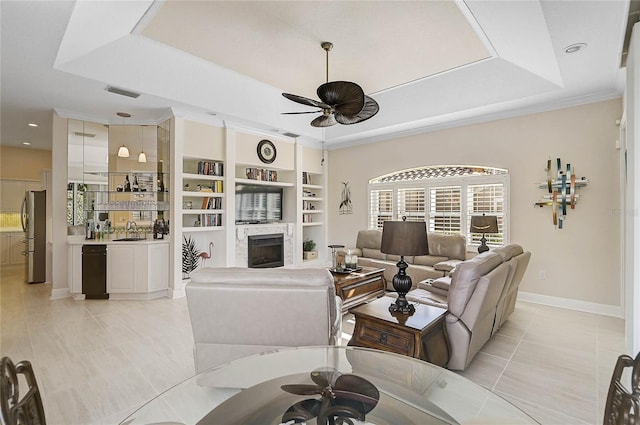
[{"x": 266, "y": 251}]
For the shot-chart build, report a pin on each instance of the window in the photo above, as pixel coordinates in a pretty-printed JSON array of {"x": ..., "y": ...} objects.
[
  {"x": 445, "y": 210},
  {"x": 445, "y": 197},
  {"x": 486, "y": 199},
  {"x": 411, "y": 204},
  {"x": 381, "y": 207}
]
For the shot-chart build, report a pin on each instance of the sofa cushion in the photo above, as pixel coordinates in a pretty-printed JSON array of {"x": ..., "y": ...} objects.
[
  {"x": 507, "y": 252},
  {"x": 449, "y": 246},
  {"x": 373, "y": 253},
  {"x": 369, "y": 239},
  {"x": 442, "y": 283},
  {"x": 423, "y": 296},
  {"x": 464, "y": 282},
  {"x": 428, "y": 260}
]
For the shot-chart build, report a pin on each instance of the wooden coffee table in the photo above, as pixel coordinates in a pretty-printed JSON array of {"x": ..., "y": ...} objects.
[
  {"x": 421, "y": 335},
  {"x": 359, "y": 287}
]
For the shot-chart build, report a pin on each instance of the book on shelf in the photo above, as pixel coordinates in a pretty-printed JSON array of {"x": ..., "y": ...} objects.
[
  {"x": 211, "y": 168},
  {"x": 307, "y": 218},
  {"x": 262, "y": 174},
  {"x": 211, "y": 220},
  {"x": 211, "y": 203},
  {"x": 216, "y": 187},
  {"x": 306, "y": 178}
]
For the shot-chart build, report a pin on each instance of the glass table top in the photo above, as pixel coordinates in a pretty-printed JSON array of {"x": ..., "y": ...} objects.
[{"x": 388, "y": 389}]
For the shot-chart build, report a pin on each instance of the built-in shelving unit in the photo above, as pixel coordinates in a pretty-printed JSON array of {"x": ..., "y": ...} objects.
[
  {"x": 202, "y": 195},
  {"x": 312, "y": 203}
]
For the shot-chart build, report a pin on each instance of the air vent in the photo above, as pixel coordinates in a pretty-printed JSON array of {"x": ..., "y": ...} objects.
[
  {"x": 290, "y": 134},
  {"x": 81, "y": 134},
  {"x": 122, "y": 92}
]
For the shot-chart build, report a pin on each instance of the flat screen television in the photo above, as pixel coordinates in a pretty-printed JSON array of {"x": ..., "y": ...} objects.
[{"x": 258, "y": 204}]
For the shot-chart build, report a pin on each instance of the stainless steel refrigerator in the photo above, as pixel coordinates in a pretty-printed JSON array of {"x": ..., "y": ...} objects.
[{"x": 34, "y": 224}]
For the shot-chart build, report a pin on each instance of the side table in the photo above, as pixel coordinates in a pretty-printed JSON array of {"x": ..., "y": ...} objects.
[
  {"x": 421, "y": 335},
  {"x": 359, "y": 287}
]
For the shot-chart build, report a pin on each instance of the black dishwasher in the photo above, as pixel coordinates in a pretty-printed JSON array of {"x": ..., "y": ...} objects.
[{"x": 94, "y": 272}]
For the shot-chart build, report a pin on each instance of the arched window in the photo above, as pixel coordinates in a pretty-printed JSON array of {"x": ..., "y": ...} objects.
[{"x": 445, "y": 197}]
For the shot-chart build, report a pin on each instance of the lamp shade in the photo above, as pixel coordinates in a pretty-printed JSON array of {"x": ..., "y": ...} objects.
[
  {"x": 142, "y": 157},
  {"x": 484, "y": 224},
  {"x": 123, "y": 152},
  {"x": 404, "y": 238}
]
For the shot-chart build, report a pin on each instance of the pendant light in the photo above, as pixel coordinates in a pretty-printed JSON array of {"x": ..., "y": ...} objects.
[
  {"x": 123, "y": 151},
  {"x": 142, "y": 157}
]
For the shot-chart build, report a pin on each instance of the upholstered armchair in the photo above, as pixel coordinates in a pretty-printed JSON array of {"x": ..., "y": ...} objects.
[{"x": 236, "y": 312}]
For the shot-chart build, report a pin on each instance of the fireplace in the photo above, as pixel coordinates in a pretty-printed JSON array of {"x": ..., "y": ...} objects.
[{"x": 266, "y": 251}]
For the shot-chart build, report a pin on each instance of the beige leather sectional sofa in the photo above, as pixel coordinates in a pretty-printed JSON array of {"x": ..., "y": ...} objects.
[
  {"x": 479, "y": 295},
  {"x": 445, "y": 252}
]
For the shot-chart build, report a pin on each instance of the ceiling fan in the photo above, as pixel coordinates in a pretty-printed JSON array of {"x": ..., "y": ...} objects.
[{"x": 341, "y": 102}]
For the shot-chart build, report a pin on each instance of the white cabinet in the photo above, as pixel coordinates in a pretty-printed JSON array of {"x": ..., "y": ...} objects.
[
  {"x": 158, "y": 268},
  {"x": 121, "y": 268},
  {"x": 74, "y": 266},
  {"x": 137, "y": 270},
  {"x": 11, "y": 195},
  {"x": 5, "y": 244},
  {"x": 11, "y": 248},
  {"x": 17, "y": 247}
]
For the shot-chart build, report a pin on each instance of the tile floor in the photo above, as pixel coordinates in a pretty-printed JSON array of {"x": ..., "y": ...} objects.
[{"x": 96, "y": 361}]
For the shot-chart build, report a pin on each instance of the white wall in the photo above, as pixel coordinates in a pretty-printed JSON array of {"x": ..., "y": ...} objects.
[
  {"x": 581, "y": 261},
  {"x": 630, "y": 203}
]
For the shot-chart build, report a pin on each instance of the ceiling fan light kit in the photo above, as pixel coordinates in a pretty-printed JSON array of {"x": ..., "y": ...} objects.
[{"x": 341, "y": 102}]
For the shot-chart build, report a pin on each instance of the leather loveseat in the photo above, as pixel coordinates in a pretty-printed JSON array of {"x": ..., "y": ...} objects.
[
  {"x": 445, "y": 252},
  {"x": 236, "y": 312},
  {"x": 479, "y": 295}
]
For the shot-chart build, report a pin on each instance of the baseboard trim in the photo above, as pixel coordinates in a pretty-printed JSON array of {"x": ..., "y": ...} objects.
[
  {"x": 57, "y": 294},
  {"x": 588, "y": 307}
]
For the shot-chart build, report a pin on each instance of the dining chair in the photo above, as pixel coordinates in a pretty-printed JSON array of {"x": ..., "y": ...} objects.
[
  {"x": 623, "y": 402},
  {"x": 13, "y": 409}
]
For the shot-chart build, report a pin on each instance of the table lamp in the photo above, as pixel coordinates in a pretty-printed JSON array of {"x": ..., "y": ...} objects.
[
  {"x": 403, "y": 238},
  {"x": 484, "y": 224}
]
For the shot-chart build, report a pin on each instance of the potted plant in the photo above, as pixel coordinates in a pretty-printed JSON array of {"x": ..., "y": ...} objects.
[{"x": 308, "y": 248}]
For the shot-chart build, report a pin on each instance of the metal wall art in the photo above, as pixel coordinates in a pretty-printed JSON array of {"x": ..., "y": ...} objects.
[
  {"x": 562, "y": 191},
  {"x": 345, "y": 200}
]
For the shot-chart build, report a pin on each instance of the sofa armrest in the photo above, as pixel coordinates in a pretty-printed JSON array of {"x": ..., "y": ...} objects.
[
  {"x": 350, "y": 251},
  {"x": 447, "y": 266}
]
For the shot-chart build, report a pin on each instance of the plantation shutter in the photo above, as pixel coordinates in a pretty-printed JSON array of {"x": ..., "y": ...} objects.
[
  {"x": 411, "y": 204},
  {"x": 486, "y": 199},
  {"x": 380, "y": 207},
  {"x": 445, "y": 209}
]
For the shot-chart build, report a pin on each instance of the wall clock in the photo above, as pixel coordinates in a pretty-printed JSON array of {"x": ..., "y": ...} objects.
[{"x": 266, "y": 151}]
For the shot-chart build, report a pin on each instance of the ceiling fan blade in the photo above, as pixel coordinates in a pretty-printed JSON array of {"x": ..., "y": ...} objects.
[
  {"x": 302, "y": 389},
  {"x": 346, "y": 97},
  {"x": 302, "y": 411},
  {"x": 370, "y": 108},
  {"x": 306, "y": 101},
  {"x": 295, "y": 113},
  {"x": 325, "y": 377},
  {"x": 324, "y": 121}
]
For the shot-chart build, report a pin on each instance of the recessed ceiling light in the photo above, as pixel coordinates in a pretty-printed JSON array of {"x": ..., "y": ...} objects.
[
  {"x": 26, "y": 143},
  {"x": 573, "y": 48},
  {"x": 32, "y": 124}
]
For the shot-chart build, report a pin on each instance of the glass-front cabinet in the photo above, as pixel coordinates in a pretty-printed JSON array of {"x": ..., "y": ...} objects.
[{"x": 106, "y": 191}]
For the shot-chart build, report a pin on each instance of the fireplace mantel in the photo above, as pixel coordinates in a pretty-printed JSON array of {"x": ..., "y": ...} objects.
[{"x": 244, "y": 230}]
